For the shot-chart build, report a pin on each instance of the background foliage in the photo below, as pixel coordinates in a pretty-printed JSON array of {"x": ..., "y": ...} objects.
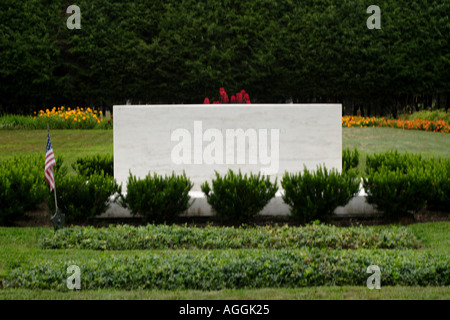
[{"x": 181, "y": 51}]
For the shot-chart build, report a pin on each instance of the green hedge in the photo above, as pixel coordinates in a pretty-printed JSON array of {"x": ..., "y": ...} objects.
[
  {"x": 439, "y": 198},
  {"x": 99, "y": 164},
  {"x": 398, "y": 183},
  {"x": 81, "y": 198},
  {"x": 273, "y": 49},
  {"x": 22, "y": 185},
  {"x": 239, "y": 197},
  {"x": 177, "y": 237},
  {"x": 350, "y": 159},
  {"x": 220, "y": 269},
  {"x": 316, "y": 194},
  {"x": 396, "y": 193},
  {"x": 393, "y": 160},
  {"x": 158, "y": 198}
]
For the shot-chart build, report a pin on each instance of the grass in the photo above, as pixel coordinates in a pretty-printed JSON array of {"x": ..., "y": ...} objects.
[
  {"x": 315, "y": 293},
  {"x": 75, "y": 143},
  {"x": 20, "y": 245},
  {"x": 376, "y": 140},
  {"x": 68, "y": 143}
]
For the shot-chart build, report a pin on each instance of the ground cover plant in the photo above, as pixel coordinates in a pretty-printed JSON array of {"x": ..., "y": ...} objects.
[
  {"x": 125, "y": 237},
  {"x": 215, "y": 270},
  {"x": 25, "y": 265}
]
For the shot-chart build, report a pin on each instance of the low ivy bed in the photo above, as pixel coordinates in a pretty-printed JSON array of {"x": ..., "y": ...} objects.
[
  {"x": 184, "y": 237},
  {"x": 220, "y": 269}
]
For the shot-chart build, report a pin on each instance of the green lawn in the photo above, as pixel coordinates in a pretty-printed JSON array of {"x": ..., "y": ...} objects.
[
  {"x": 20, "y": 245},
  {"x": 72, "y": 144},
  {"x": 315, "y": 293},
  {"x": 75, "y": 143},
  {"x": 376, "y": 140},
  {"x": 68, "y": 143}
]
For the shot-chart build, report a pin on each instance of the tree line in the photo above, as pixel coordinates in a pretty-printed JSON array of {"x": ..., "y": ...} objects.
[{"x": 181, "y": 51}]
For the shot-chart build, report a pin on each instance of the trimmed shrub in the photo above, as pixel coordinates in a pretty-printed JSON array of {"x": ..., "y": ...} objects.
[
  {"x": 81, "y": 198},
  {"x": 350, "y": 159},
  {"x": 239, "y": 197},
  {"x": 22, "y": 185},
  {"x": 398, "y": 193},
  {"x": 157, "y": 198},
  {"x": 428, "y": 181},
  {"x": 161, "y": 237},
  {"x": 392, "y": 160},
  {"x": 99, "y": 164},
  {"x": 236, "y": 269},
  {"x": 315, "y": 195},
  {"x": 439, "y": 198}
]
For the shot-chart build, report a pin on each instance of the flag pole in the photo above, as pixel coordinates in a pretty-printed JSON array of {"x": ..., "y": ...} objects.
[{"x": 54, "y": 188}]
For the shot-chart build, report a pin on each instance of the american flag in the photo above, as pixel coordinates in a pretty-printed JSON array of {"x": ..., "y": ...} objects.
[{"x": 49, "y": 163}]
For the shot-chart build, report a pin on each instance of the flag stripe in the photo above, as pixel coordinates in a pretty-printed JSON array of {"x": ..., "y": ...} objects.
[{"x": 49, "y": 164}]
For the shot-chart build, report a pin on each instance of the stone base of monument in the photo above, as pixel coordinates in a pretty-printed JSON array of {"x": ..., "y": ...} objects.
[{"x": 356, "y": 207}]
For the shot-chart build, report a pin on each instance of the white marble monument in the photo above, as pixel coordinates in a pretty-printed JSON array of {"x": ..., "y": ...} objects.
[{"x": 202, "y": 139}]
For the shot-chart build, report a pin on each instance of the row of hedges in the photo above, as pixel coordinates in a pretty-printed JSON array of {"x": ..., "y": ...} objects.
[
  {"x": 397, "y": 184},
  {"x": 221, "y": 269},
  {"x": 237, "y": 197},
  {"x": 80, "y": 196},
  {"x": 275, "y": 50},
  {"x": 22, "y": 185},
  {"x": 266, "y": 237}
]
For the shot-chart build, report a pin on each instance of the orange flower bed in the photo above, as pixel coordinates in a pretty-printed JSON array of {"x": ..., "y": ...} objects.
[
  {"x": 75, "y": 115},
  {"x": 435, "y": 126}
]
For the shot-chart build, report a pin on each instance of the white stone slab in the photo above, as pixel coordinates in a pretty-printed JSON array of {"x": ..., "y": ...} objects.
[{"x": 280, "y": 138}]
